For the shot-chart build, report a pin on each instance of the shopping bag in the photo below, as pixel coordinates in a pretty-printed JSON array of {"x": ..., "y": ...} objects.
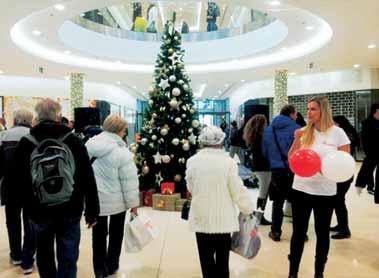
[
  {"x": 247, "y": 241},
  {"x": 138, "y": 233}
]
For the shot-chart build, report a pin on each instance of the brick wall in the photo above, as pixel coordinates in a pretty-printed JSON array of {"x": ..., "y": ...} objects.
[{"x": 343, "y": 103}]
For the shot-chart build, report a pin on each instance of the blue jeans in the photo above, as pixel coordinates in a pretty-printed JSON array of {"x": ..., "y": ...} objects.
[
  {"x": 25, "y": 253},
  {"x": 66, "y": 233}
]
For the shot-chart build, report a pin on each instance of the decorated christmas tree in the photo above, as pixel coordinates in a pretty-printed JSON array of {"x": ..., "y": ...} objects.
[{"x": 170, "y": 125}]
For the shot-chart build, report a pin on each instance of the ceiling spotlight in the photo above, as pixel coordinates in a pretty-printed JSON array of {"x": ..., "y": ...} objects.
[
  {"x": 226, "y": 85},
  {"x": 1, "y": 72},
  {"x": 118, "y": 62},
  {"x": 59, "y": 7},
  {"x": 309, "y": 28},
  {"x": 275, "y": 3},
  {"x": 283, "y": 49},
  {"x": 118, "y": 82},
  {"x": 134, "y": 87},
  {"x": 371, "y": 46},
  {"x": 67, "y": 52},
  {"x": 36, "y": 33},
  {"x": 356, "y": 66},
  {"x": 242, "y": 80},
  {"x": 67, "y": 77}
]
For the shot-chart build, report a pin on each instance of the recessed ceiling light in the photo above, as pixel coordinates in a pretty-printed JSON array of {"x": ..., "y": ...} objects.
[
  {"x": 68, "y": 52},
  {"x": 275, "y": 3},
  {"x": 134, "y": 87},
  {"x": 1, "y": 72},
  {"x": 59, "y": 7},
  {"x": 242, "y": 80},
  {"x": 283, "y": 49},
  {"x": 226, "y": 85},
  {"x": 118, "y": 62},
  {"x": 356, "y": 66},
  {"x": 118, "y": 82},
  {"x": 36, "y": 33},
  {"x": 309, "y": 28},
  {"x": 372, "y": 45},
  {"x": 181, "y": 9}
]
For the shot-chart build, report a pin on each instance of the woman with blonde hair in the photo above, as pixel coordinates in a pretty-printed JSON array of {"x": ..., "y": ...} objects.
[
  {"x": 252, "y": 135},
  {"x": 315, "y": 193},
  {"x": 117, "y": 185}
]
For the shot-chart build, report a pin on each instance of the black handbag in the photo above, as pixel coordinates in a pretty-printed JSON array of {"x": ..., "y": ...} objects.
[{"x": 186, "y": 209}]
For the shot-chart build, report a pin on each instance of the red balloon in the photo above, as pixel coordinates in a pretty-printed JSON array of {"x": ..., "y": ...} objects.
[{"x": 305, "y": 163}]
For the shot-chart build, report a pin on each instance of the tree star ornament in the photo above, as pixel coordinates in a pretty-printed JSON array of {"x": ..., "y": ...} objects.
[
  {"x": 164, "y": 84},
  {"x": 192, "y": 138},
  {"x": 157, "y": 158}
]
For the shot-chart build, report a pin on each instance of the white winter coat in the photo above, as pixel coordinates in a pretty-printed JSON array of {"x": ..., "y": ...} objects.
[
  {"x": 212, "y": 178},
  {"x": 115, "y": 173}
]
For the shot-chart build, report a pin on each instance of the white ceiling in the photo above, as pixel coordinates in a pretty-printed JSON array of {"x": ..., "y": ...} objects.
[{"x": 354, "y": 23}]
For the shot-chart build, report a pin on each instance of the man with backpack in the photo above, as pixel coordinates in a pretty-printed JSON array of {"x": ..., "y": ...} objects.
[
  {"x": 277, "y": 140},
  {"x": 54, "y": 179},
  {"x": 21, "y": 254}
]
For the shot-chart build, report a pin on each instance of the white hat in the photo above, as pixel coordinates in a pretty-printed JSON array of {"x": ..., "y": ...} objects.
[{"x": 211, "y": 135}]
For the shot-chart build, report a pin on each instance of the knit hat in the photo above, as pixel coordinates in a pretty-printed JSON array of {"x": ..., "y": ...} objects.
[{"x": 211, "y": 135}]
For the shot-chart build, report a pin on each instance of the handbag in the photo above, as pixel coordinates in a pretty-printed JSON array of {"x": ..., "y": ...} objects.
[
  {"x": 247, "y": 241},
  {"x": 139, "y": 232},
  {"x": 185, "y": 210}
]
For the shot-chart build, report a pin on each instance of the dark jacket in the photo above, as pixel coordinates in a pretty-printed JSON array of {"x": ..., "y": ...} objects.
[
  {"x": 236, "y": 138},
  {"x": 84, "y": 188},
  {"x": 8, "y": 142},
  {"x": 259, "y": 162},
  {"x": 370, "y": 138},
  {"x": 285, "y": 129}
]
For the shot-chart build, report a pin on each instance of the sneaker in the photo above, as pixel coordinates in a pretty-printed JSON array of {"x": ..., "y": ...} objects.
[
  {"x": 274, "y": 236},
  {"x": 27, "y": 271},
  {"x": 371, "y": 191},
  {"x": 16, "y": 262},
  {"x": 341, "y": 235}
]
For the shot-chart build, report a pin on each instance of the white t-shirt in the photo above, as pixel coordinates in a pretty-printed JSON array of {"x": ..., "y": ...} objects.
[{"x": 324, "y": 143}]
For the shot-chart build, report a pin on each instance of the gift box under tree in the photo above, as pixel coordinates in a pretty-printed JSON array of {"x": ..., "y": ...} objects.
[{"x": 165, "y": 202}]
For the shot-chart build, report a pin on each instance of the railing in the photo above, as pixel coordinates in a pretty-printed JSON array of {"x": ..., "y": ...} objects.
[{"x": 188, "y": 37}]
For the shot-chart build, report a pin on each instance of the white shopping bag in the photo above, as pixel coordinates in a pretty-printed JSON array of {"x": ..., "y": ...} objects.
[
  {"x": 138, "y": 233},
  {"x": 247, "y": 241}
]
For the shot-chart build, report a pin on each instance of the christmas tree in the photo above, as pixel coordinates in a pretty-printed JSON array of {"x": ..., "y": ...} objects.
[{"x": 170, "y": 125}]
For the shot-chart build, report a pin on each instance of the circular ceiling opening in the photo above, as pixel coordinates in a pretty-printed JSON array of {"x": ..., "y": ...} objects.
[{"x": 196, "y": 20}]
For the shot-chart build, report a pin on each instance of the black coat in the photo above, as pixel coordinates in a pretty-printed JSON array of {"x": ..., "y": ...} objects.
[
  {"x": 370, "y": 138},
  {"x": 85, "y": 190},
  {"x": 259, "y": 162}
]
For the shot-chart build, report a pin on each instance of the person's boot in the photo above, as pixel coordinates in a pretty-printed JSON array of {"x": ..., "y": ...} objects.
[
  {"x": 319, "y": 269},
  {"x": 342, "y": 235},
  {"x": 275, "y": 236},
  {"x": 261, "y": 203},
  {"x": 294, "y": 268}
]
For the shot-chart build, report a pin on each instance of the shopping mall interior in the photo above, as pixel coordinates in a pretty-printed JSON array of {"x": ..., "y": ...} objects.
[{"x": 240, "y": 58}]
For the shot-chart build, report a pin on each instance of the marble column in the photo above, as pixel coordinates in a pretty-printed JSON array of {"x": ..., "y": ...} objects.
[
  {"x": 76, "y": 92},
  {"x": 280, "y": 95}
]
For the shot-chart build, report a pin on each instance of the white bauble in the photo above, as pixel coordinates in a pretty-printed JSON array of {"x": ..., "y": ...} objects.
[
  {"x": 190, "y": 130},
  {"x": 178, "y": 120},
  {"x": 154, "y": 137},
  {"x": 181, "y": 82},
  {"x": 166, "y": 158},
  {"x": 186, "y": 147},
  {"x": 151, "y": 90},
  {"x": 175, "y": 141},
  {"x": 164, "y": 131},
  {"x": 176, "y": 92},
  {"x": 172, "y": 78},
  {"x": 174, "y": 103},
  {"x": 195, "y": 123},
  {"x": 185, "y": 87},
  {"x": 192, "y": 110},
  {"x": 151, "y": 102},
  {"x": 151, "y": 145},
  {"x": 170, "y": 51},
  {"x": 144, "y": 141},
  {"x": 184, "y": 116}
]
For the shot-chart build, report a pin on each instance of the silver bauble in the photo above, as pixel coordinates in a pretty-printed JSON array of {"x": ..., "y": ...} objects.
[
  {"x": 186, "y": 147},
  {"x": 195, "y": 123},
  {"x": 178, "y": 120},
  {"x": 164, "y": 131},
  {"x": 176, "y": 92},
  {"x": 154, "y": 137},
  {"x": 166, "y": 158},
  {"x": 181, "y": 82},
  {"x": 145, "y": 169},
  {"x": 172, "y": 78},
  {"x": 175, "y": 141},
  {"x": 184, "y": 116},
  {"x": 151, "y": 102},
  {"x": 144, "y": 141}
]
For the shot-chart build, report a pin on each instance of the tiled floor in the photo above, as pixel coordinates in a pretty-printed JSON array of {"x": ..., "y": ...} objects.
[{"x": 174, "y": 255}]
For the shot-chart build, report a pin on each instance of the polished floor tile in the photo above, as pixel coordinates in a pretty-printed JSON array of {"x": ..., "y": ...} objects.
[{"x": 174, "y": 254}]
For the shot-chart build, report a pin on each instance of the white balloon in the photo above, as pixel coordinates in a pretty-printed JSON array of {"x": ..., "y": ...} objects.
[{"x": 338, "y": 166}]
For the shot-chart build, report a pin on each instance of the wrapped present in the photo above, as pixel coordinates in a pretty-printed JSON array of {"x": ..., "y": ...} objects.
[
  {"x": 168, "y": 188},
  {"x": 147, "y": 198},
  {"x": 165, "y": 202},
  {"x": 179, "y": 204}
]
